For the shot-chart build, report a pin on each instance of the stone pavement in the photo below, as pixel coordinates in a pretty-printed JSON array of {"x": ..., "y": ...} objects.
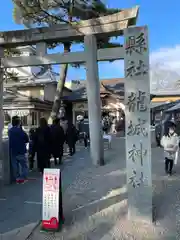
[
  {"x": 20, "y": 205},
  {"x": 95, "y": 204}
]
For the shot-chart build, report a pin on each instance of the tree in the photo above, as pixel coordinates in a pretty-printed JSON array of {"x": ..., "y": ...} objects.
[{"x": 34, "y": 13}]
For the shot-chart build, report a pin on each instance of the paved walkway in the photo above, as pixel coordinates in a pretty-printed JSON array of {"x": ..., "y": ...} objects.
[
  {"x": 95, "y": 202},
  {"x": 20, "y": 205}
]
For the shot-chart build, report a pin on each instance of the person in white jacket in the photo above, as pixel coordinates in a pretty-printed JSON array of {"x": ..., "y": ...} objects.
[{"x": 170, "y": 143}]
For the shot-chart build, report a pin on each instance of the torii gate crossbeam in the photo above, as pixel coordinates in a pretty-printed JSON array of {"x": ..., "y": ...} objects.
[{"x": 111, "y": 25}]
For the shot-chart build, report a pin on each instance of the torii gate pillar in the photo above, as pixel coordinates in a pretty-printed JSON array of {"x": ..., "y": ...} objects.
[
  {"x": 1, "y": 117},
  {"x": 94, "y": 102}
]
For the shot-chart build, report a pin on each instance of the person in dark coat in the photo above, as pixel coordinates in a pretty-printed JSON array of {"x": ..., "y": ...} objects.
[
  {"x": 58, "y": 139},
  {"x": 71, "y": 138},
  {"x": 42, "y": 145},
  {"x": 17, "y": 148},
  {"x": 83, "y": 131},
  {"x": 31, "y": 152}
]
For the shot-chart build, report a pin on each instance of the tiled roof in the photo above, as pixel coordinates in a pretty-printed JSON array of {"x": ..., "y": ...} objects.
[
  {"x": 16, "y": 97},
  {"x": 79, "y": 88},
  {"x": 112, "y": 81},
  {"x": 174, "y": 108},
  {"x": 32, "y": 83}
]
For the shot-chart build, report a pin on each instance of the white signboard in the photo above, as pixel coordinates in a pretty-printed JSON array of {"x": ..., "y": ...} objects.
[
  {"x": 51, "y": 199},
  {"x": 137, "y": 110},
  {"x": 19, "y": 113}
]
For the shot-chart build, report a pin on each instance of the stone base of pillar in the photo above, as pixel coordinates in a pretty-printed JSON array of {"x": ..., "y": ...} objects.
[
  {"x": 140, "y": 205},
  {"x": 5, "y": 177}
]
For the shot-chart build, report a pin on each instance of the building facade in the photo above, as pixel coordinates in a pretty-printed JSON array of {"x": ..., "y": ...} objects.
[
  {"x": 111, "y": 93},
  {"x": 32, "y": 96}
]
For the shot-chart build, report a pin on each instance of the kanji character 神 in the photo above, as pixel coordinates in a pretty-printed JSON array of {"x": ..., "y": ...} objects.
[{"x": 136, "y": 154}]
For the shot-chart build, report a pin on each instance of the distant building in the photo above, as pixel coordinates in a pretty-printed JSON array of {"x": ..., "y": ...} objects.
[
  {"x": 32, "y": 96},
  {"x": 112, "y": 99},
  {"x": 111, "y": 93}
]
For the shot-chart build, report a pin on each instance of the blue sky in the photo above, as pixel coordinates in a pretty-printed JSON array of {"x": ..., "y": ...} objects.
[{"x": 160, "y": 17}]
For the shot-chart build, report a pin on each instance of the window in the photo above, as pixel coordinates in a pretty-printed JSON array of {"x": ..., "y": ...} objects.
[
  {"x": 41, "y": 114},
  {"x": 7, "y": 118},
  {"x": 24, "y": 120},
  {"x": 41, "y": 94},
  {"x": 34, "y": 118},
  {"x": 104, "y": 102}
]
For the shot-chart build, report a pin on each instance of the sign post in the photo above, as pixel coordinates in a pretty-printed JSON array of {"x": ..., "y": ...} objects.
[
  {"x": 52, "y": 210},
  {"x": 138, "y": 134}
]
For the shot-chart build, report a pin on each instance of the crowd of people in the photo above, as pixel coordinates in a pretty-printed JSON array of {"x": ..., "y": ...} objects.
[
  {"x": 44, "y": 142},
  {"x": 48, "y": 141}
]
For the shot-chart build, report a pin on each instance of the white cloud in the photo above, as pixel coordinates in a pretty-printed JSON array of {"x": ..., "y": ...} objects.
[
  {"x": 169, "y": 57},
  {"x": 165, "y": 68}
]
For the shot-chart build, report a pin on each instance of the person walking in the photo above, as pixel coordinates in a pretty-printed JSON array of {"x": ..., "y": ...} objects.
[
  {"x": 158, "y": 133},
  {"x": 105, "y": 124},
  {"x": 58, "y": 139},
  {"x": 42, "y": 145},
  {"x": 17, "y": 146},
  {"x": 113, "y": 126},
  {"x": 83, "y": 131},
  {"x": 170, "y": 143},
  {"x": 71, "y": 138}
]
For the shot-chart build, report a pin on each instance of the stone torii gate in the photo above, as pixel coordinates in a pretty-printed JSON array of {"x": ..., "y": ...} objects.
[{"x": 89, "y": 31}]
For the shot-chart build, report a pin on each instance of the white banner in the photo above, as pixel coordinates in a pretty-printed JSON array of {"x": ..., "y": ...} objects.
[{"x": 19, "y": 113}]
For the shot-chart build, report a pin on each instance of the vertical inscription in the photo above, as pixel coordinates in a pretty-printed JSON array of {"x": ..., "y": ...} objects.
[{"x": 137, "y": 111}]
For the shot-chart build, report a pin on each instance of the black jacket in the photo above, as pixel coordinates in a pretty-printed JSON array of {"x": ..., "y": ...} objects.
[
  {"x": 42, "y": 141},
  {"x": 57, "y": 137},
  {"x": 71, "y": 134}
]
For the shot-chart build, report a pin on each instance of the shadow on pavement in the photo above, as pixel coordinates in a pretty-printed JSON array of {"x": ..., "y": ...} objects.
[{"x": 166, "y": 197}]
